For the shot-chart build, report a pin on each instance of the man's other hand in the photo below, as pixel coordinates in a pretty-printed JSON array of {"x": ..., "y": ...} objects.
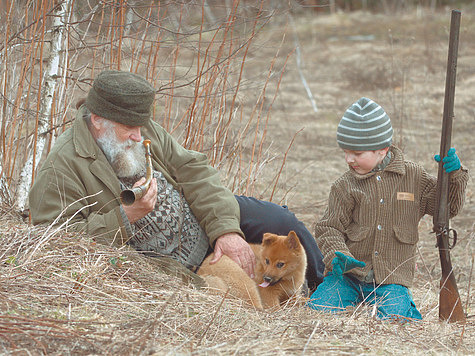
[
  {"x": 237, "y": 249},
  {"x": 144, "y": 205}
]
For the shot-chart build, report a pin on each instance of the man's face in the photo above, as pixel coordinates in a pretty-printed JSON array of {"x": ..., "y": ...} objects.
[
  {"x": 363, "y": 162},
  {"x": 122, "y": 145},
  {"x": 122, "y": 132}
]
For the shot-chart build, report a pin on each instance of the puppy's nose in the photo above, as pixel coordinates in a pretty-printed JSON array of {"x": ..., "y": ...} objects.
[{"x": 267, "y": 279}]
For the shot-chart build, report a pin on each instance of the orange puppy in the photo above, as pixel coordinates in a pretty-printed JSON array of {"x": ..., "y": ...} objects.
[{"x": 279, "y": 274}]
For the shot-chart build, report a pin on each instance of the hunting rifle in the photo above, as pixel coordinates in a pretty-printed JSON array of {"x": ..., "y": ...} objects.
[{"x": 450, "y": 305}]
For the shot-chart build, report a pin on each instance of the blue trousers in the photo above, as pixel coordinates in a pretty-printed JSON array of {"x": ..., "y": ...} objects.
[
  {"x": 392, "y": 300},
  {"x": 259, "y": 217}
]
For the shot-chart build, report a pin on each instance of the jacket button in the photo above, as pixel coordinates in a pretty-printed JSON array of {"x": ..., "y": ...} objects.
[
  {"x": 376, "y": 253},
  {"x": 378, "y": 178},
  {"x": 380, "y": 227},
  {"x": 381, "y": 201}
]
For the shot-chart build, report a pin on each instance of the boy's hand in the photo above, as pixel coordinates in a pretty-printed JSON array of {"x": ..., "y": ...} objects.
[
  {"x": 342, "y": 263},
  {"x": 451, "y": 161}
]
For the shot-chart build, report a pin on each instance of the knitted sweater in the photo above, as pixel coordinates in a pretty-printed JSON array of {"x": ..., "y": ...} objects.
[{"x": 374, "y": 217}]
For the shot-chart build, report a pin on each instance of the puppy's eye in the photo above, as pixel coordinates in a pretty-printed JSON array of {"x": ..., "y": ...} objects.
[
  {"x": 280, "y": 264},
  {"x": 267, "y": 261}
]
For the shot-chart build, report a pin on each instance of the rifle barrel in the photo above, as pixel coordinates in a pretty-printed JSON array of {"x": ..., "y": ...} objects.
[{"x": 450, "y": 306}]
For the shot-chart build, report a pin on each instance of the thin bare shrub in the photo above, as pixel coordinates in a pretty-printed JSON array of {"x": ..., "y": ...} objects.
[{"x": 196, "y": 66}]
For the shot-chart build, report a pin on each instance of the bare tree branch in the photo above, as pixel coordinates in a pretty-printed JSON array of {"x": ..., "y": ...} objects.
[{"x": 299, "y": 66}]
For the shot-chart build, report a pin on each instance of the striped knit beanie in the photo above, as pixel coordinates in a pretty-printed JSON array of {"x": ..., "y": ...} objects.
[
  {"x": 121, "y": 96},
  {"x": 365, "y": 126}
]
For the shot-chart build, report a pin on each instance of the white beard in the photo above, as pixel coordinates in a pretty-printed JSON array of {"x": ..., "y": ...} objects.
[{"x": 126, "y": 158}]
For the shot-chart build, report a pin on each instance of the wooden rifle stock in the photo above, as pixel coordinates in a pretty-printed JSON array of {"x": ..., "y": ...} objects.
[{"x": 450, "y": 305}]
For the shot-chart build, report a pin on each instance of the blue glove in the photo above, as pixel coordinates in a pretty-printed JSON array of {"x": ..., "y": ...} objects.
[
  {"x": 452, "y": 161},
  {"x": 342, "y": 263}
]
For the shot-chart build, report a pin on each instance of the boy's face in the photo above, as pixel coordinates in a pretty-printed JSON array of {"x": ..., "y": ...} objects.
[{"x": 363, "y": 162}]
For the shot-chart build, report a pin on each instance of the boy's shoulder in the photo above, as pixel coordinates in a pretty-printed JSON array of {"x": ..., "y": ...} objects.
[
  {"x": 400, "y": 163},
  {"x": 344, "y": 180},
  {"x": 413, "y": 165}
]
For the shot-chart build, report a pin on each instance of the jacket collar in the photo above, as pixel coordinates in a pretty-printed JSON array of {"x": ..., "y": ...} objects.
[
  {"x": 86, "y": 147},
  {"x": 396, "y": 165},
  {"x": 84, "y": 143}
]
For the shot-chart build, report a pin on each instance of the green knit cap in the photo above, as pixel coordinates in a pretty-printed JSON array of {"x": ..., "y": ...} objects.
[
  {"x": 121, "y": 96},
  {"x": 365, "y": 126}
]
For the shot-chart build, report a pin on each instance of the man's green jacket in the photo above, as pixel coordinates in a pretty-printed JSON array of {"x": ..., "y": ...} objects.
[{"x": 77, "y": 186}]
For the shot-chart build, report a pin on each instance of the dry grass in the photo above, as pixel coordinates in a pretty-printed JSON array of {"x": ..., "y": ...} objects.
[{"x": 71, "y": 296}]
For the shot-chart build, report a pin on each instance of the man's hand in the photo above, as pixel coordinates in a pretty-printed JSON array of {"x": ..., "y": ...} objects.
[
  {"x": 237, "y": 249},
  {"x": 342, "y": 263},
  {"x": 144, "y": 205}
]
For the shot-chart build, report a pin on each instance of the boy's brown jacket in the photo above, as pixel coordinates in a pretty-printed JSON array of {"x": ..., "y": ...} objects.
[
  {"x": 374, "y": 217},
  {"x": 77, "y": 184}
]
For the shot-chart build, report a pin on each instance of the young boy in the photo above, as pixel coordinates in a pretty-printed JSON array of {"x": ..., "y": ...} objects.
[{"x": 369, "y": 232}]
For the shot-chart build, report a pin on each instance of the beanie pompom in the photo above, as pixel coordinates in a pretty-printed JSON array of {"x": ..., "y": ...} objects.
[{"x": 365, "y": 126}]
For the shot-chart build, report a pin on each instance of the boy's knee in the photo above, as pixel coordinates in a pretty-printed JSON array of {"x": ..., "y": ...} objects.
[
  {"x": 397, "y": 303},
  {"x": 333, "y": 295}
]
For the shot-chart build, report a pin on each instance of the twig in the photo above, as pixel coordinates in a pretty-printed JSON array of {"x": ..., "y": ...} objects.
[
  {"x": 111, "y": 296},
  {"x": 34, "y": 326},
  {"x": 283, "y": 163},
  {"x": 466, "y": 305},
  {"x": 152, "y": 326},
  {"x": 299, "y": 66},
  {"x": 214, "y": 317},
  {"x": 310, "y": 337},
  {"x": 424, "y": 263},
  {"x": 469, "y": 283}
]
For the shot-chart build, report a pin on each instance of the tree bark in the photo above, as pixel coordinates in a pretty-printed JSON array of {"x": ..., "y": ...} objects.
[{"x": 50, "y": 79}]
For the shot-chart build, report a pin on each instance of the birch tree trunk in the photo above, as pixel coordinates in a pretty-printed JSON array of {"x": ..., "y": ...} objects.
[
  {"x": 50, "y": 77},
  {"x": 5, "y": 196}
]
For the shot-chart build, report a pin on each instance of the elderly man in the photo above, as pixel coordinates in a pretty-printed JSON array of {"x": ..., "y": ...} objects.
[{"x": 186, "y": 211}]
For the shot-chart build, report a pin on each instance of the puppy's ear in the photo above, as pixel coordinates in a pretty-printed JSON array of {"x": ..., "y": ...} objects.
[
  {"x": 293, "y": 240},
  {"x": 268, "y": 238}
]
